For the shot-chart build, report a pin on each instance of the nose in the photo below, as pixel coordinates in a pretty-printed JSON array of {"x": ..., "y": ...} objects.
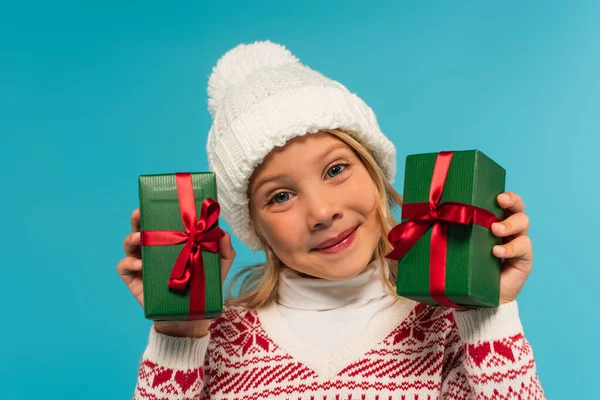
[{"x": 322, "y": 209}]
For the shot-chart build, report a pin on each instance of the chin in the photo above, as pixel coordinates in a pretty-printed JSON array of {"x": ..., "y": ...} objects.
[
  {"x": 344, "y": 269},
  {"x": 343, "y": 275}
]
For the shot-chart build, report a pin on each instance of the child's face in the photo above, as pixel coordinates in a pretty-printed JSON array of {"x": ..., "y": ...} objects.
[{"x": 315, "y": 204}]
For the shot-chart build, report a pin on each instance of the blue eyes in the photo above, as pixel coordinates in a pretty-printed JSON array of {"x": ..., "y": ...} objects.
[
  {"x": 335, "y": 170},
  {"x": 282, "y": 197}
]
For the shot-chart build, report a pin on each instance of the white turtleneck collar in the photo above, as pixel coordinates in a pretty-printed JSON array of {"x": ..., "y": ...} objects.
[
  {"x": 297, "y": 292},
  {"x": 328, "y": 314}
]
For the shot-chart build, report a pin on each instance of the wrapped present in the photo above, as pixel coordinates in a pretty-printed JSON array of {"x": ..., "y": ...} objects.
[
  {"x": 444, "y": 243},
  {"x": 179, "y": 241}
]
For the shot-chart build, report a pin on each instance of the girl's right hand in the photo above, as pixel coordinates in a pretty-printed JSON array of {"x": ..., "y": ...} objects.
[{"x": 130, "y": 270}]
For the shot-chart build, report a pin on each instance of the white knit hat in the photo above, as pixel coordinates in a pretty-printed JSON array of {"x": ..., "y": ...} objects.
[{"x": 261, "y": 96}]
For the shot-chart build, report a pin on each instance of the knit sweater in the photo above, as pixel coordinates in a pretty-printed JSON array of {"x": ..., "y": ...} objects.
[{"x": 394, "y": 349}]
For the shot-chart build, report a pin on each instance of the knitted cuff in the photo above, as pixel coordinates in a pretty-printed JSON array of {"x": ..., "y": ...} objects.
[
  {"x": 485, "y": 324},
  {"x": 183, "y": 353}
]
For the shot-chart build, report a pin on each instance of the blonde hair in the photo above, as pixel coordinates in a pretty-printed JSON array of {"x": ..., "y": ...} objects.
[{"x": 259, "y": 285}]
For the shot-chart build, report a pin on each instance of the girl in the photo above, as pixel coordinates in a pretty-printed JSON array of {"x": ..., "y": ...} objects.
[{"x": 304, "y": 174}]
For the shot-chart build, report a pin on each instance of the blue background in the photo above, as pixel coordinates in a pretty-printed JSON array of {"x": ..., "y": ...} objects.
[{"x": 92, "y": 96}]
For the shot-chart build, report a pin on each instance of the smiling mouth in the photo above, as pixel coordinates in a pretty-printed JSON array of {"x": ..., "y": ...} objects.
[{"x": 331, "y": 243}]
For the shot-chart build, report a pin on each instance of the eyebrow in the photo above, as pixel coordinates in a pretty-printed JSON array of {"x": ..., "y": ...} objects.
[{"x": 327, "y": 150}]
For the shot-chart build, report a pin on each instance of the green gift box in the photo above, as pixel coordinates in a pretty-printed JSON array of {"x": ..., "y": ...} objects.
[
  {"x": 445, "y": 241},
  {"x": 179, "y": 242}
]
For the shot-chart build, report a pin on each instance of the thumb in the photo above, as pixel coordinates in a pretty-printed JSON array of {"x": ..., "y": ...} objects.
[{"x": 227, "y": 255}]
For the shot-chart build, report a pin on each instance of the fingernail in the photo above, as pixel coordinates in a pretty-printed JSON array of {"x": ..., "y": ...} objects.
[
  {"x": 503, "y": 197},
  {"x": 500, "y": 227},
  {"x": 499, "y": 250},
  {"x": 137, "y": 263}
]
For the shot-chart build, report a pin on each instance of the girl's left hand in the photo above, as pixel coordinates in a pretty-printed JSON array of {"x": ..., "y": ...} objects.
[{"x": 516, "y": 250}]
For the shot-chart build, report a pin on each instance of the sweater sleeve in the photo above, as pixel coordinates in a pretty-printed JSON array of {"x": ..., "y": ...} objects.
[
  {"x": 172, "y": 368},
  {"x": 488, "y": 357}
]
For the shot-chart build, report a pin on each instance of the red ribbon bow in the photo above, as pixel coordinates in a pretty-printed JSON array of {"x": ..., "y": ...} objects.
[
  {"x": 421, "y": 216},
  {"x": 198, "y": 236}
]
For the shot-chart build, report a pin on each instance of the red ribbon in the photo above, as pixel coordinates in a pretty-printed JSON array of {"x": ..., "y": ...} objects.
[
  {"x": 198, "y": 237},
  {"x": 422, "y": 216}
]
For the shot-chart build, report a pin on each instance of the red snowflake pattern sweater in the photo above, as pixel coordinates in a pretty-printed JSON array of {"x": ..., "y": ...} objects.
[{"x": 409, "y": 351}]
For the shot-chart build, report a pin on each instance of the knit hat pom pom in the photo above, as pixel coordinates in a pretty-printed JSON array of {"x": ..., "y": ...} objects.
[{"x": 241, "y": 61}]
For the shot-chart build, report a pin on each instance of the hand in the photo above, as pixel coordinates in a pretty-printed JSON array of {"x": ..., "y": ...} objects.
[
  {"x": 130, "y": 270},
  {"x": 516, "y": 250}
]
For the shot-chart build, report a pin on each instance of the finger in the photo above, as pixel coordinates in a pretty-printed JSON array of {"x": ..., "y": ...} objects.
[
  {"x": 135, "y": 220},
  {"x": 511, "y": 202},
  {"x": 131, "y": 245},
  {"x": 227, "y": 255},
  {"x": 511, "y": 273},
  {"x": 518, "y": 248},
  {"x": 512, "y": 280},
  {"x": 129, "y": 266},
  {"x": 130, "y": 271},
  {"x": 516, "y": 224}
]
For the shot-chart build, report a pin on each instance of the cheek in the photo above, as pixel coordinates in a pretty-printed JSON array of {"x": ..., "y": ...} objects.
[
  {"x": 363, "y": 202},
  {"x": 281, "y": 231},
  {"x": 361, "y": 195}
]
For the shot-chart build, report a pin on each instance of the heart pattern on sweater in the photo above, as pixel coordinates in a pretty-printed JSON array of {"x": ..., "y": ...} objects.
[
  {"x": 186, "y": 379},
  {"x": 504, "y": 350},
  {"x": 479, "y": 352},
  {"x": 162, "y": 377}
]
